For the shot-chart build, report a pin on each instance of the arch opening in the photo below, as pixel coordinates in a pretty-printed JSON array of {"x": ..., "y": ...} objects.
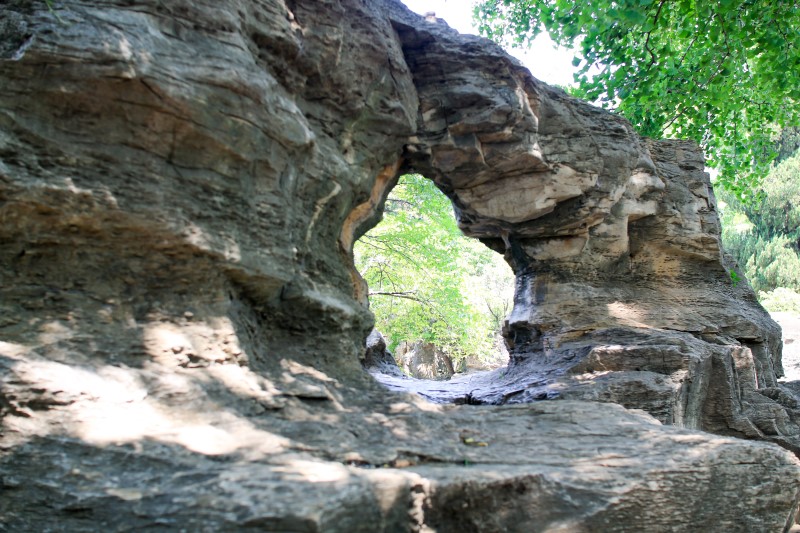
[{"x": 439, "y": 297}]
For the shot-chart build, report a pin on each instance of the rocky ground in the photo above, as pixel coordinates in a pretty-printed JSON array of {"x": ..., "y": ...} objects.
[{"x": 462, "y": 386}]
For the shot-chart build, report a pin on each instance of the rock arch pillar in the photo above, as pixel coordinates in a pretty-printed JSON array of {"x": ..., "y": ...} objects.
[{"x": 623, "y": 293}]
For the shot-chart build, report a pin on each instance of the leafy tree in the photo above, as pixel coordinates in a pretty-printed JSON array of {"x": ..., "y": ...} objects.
[
  {"x": 787, "y": 143},
  {"x": 724, "y": 73},
  {"x": 763, "y": 235},
  {"x": 427, "y": 280},
  {"x": 775, "y": 265},
  {"x": 777, "y": 213}
]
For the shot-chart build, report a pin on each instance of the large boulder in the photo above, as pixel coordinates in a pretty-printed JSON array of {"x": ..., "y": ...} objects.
[
  {"x": 623, "y": 293},
  {"x": 423, "y": 360},
  {"x": 181, "y": 324}
]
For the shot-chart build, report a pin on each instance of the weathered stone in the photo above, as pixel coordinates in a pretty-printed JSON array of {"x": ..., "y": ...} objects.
[
  {"x": 377, "y": 358},
  {"x": 623, "y": 293},
  {"x": 495, "y": 359},
  {"x": 180, "y": 187},
  {"x": 423, "y": 360}
]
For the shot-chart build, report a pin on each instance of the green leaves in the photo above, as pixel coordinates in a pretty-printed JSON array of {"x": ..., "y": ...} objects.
[
  {"x": 634, "y": 16},
  {"x": 764, "y": 234},
  {"x": 427, "y": 280},
  {"x": 725, "y": 74}
]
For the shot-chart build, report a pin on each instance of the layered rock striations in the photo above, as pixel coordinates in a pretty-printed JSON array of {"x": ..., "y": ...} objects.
[
  {"x": 181, "y": 324},
  {"x": 623, "y": 293}
]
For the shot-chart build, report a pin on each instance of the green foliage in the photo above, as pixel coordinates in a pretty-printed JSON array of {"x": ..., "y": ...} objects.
[
  {"x": 777, "y": 212},
  {"x": 775, "y": 265},
  {"x": 787, "y": 143},
  {"x": 726, "y": 74},
  {"x": 764, "y": 234},
  {"x": 427, "y": 280},
  {"x": 781, "y": 299}
]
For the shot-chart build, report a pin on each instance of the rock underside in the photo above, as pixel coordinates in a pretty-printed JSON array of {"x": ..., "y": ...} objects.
[{"x": 182, "y": 328}]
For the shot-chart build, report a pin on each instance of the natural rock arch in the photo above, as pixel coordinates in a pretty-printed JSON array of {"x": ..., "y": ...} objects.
[
  {"x": 623, "y": 293},
  {"x": 181, "y": 184}
]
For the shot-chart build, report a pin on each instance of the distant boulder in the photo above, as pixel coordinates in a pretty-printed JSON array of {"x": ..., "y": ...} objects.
[
  {"x": 423, "y": 360},
  {"x": 377, "y": 357}
]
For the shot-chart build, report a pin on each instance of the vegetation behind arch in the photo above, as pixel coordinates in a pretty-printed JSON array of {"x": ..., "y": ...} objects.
[{"x": 429, "y": 282}]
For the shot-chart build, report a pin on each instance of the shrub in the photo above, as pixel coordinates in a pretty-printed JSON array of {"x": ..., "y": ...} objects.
[{"x": 780, "y": 299}]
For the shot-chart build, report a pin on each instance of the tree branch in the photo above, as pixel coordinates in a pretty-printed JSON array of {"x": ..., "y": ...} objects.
[
  {"x": 653, "y": 57},
  {"x": 389, "y": 248},
  {"x": 402, "y": 294}
]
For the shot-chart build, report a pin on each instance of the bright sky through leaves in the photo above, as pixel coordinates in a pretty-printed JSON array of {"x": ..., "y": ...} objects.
[{"x": 547, "y": 62}]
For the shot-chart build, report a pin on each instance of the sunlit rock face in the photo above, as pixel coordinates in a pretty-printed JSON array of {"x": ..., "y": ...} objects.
[
  {"x": 623, "y": 293},
  {"x": 424, "y": 360},
  {"x": 180, "y": 324}
]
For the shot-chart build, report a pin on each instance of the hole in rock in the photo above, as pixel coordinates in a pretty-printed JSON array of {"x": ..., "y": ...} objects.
[{"x": 439, "y": 297}]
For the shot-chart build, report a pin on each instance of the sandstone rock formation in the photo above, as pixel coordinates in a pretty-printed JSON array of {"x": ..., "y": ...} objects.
[
  {"x": 378, "y": 358},
  {"x": 623, "y": 293},
  {"x": 423, "y": 360},
  {"x": 181, "y": 326}
]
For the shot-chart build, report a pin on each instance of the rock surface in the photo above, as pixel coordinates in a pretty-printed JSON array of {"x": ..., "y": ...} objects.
[
  {"x": 181, "y": 326},
  {"x": 377, "y": 358},
  {"x": 623, "y": 293},
  {"x": 423, "y": 360}
]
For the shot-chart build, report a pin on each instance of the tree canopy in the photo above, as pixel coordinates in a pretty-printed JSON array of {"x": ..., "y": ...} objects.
[
  {"x": 764, "y": 235},
  {"x": 725, "y": 73},
  {"x": 427, "y": 280}
]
